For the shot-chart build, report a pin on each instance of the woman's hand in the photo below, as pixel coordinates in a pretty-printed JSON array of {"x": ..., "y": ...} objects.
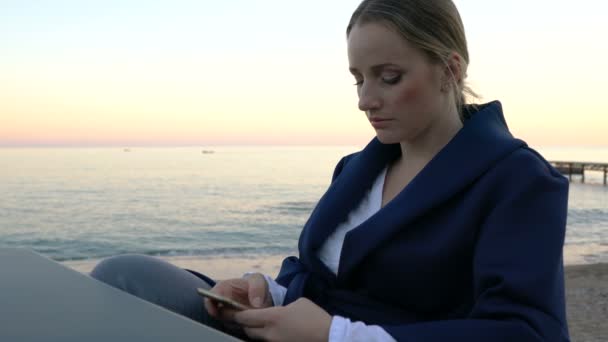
[
  {"x": 251, "y": 291},
  {"x": 301, "y": 320}
]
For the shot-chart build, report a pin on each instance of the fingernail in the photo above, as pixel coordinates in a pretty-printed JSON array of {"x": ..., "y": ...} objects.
[{"x": 256, "y": 302}]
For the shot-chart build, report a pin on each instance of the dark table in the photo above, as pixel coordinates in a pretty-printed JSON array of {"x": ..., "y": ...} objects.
[{"x": 42, "y": 300}]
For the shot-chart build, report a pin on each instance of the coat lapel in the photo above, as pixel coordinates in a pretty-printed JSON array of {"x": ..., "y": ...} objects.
[
  {"x": 484, "y": 140},
  {"x": 344, "y": 194}
]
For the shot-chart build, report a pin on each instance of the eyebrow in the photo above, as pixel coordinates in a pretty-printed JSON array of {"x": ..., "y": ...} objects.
[{"x": 375, "y": 68}]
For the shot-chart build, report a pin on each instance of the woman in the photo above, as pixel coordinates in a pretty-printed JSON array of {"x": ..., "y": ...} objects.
[{"x": 443, "y": 228}]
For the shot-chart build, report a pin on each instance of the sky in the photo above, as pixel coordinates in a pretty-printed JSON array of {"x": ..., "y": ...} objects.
[{"x": 256, "y": 72}]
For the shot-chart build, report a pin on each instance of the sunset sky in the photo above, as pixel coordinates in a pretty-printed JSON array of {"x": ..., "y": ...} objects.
[{"x": 167, "y": 73}]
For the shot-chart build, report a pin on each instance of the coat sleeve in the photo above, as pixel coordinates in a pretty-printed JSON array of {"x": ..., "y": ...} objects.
[{"x": 518, "y": 274}]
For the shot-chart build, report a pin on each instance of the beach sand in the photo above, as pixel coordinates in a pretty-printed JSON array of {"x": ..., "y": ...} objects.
[
  {"x": 587, "y": 302},
  {"x": 586, "y": 287}
]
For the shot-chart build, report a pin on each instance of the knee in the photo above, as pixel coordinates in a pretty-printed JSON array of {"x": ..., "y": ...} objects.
[{"x": 119, "y": 271}]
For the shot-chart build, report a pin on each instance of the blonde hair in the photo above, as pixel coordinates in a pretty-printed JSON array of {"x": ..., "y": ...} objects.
[{"x": 433, "y": 26}]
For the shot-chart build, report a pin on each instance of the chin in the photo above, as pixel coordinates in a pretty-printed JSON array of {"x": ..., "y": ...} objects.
[{"x": 387, "y": 139}]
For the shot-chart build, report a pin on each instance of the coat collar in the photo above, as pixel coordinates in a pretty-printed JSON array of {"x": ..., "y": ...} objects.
[{"x": 482, "y": 141}]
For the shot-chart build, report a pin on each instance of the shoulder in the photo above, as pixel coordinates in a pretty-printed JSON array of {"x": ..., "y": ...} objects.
[
  {"x": 342, "y": 163},
  {"x": 525, "y": 161},
  {"x": 523, "y": 171}
]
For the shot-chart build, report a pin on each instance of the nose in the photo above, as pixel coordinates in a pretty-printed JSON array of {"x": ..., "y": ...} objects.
[{"x": 369, "y": 100}]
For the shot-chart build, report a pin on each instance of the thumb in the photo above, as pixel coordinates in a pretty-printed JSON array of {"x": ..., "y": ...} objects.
[{"x": 257, "y": 290}]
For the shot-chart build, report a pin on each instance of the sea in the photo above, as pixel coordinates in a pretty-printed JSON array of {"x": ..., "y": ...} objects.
[{"x": 220, "y": 201}]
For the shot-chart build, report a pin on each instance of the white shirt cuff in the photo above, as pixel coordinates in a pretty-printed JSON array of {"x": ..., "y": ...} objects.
[
  {"x": 277, "y": 291},
  {"x": 342, "y": 329}
]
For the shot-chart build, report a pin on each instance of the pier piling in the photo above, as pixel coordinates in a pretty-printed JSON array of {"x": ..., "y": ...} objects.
[{"x": 570, "y": 168}]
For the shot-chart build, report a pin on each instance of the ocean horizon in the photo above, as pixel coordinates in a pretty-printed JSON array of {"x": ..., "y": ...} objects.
[{"x": 79, "y": 203}]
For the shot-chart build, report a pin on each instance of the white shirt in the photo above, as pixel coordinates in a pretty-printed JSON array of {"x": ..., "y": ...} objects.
[{"x": 342, "y": 329}]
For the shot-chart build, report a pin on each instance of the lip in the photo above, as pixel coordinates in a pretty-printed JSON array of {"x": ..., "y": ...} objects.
[{"x": 379, "y": 122}]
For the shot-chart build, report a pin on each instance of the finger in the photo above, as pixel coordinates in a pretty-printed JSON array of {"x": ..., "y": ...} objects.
[
  {"x": 257, "y": 333},
  {"x": 211, "y": 307},
  {"x": 239, "y": 285},
  {"x": 226, "y": 313},
  {"x": 257, "y": 290},
  {"x": 235, "y": 289},
  {"x": 222, "y": 289},
  {"x": 219, "y": 310},
  {"x": 231, "y": 287},
  {"x": 254, "y": 318}
]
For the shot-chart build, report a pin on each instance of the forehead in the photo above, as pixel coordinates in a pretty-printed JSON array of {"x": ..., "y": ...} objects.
[{"x": 374, "y": 43}]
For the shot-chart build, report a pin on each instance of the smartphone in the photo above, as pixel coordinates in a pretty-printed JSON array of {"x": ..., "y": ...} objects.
[{"x": 221, "y": 299}]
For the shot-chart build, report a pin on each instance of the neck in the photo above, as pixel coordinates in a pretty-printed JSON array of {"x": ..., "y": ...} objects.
[{"x": 427, "y": 144}]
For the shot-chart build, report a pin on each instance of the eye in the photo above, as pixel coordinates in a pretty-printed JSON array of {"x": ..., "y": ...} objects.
[
  {"x": 391, "y": 79},
  {"x": 358, "y": 82}
]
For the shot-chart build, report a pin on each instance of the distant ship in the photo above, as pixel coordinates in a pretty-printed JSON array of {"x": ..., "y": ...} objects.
[{"x": 207, "y": 152}]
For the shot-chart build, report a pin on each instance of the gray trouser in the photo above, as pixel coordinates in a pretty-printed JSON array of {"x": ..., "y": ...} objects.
[{"x": 159, "y": 282}]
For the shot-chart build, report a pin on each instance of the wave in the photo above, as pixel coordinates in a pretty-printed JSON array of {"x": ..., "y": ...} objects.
[
  {"x": 71, "y": 249},
  {"x": 202, "y": 252}
]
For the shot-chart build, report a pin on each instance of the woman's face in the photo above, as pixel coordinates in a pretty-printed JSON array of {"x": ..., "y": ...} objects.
[{"x": 399, "y": 89}]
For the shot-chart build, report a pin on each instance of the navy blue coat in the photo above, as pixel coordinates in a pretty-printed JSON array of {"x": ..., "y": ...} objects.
[{"x": 469, "y": 250}]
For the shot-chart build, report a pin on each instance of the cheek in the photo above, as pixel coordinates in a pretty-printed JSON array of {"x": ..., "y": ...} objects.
[
  {"x": 415, "y": 96},
  {"x": 410, "y": 93},
  {"x": 409, "y": 96}
]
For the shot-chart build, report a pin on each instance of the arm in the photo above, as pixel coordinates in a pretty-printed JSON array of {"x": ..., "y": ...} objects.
[
  {"x": 341, "y": 329},
  {"x": 303, "y": 320},
  {"x": 518, "y": 273}
]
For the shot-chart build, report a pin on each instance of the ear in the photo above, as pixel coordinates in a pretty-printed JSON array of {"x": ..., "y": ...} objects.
[{"x": 452, "y": 71}]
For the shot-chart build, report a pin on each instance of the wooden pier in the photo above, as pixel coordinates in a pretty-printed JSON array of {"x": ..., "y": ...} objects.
[{"x": 578, "y": 168}]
